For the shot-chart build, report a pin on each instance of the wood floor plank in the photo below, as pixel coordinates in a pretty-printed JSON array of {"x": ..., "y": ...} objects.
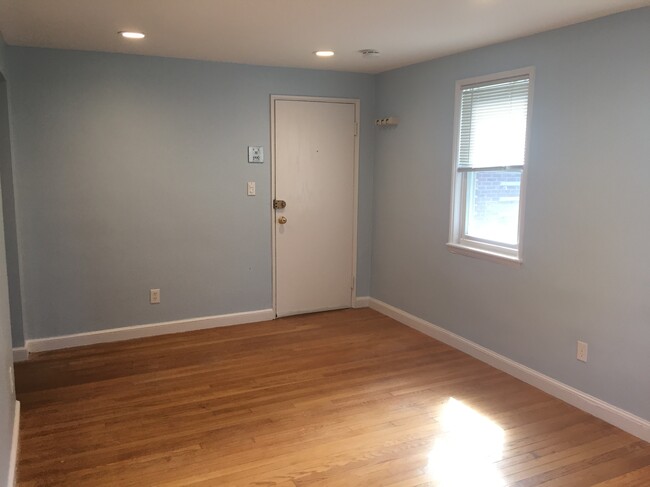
[
  {"x": 344, "y": 398},
  {"x": 636, "y": 478}
]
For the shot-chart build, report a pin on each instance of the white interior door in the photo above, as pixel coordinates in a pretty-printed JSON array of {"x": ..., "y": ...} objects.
[{"x": 315, "y": 175}]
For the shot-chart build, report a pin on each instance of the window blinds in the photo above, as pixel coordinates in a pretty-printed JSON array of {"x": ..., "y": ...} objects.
[{"x": 493, "y": 125}]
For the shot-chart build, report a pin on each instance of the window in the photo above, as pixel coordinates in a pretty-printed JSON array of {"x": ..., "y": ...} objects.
[{"x": 490, "y": 165}]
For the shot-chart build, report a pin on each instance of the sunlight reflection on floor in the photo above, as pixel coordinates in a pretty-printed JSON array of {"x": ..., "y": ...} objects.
[{"x": 465, "y": 452}]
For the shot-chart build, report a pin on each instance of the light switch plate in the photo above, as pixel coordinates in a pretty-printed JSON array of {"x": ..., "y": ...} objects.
[{"x": 255, "y": 154}]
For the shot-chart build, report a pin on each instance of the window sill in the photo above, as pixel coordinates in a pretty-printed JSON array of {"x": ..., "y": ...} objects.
[{"x": 484, "y": 254}]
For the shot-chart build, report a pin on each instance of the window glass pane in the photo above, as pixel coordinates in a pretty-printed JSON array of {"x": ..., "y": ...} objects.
[{"x": 492, "y": 211}]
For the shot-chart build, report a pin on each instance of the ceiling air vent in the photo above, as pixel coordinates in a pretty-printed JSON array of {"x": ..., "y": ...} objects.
[{"x": 369, "y": 52}]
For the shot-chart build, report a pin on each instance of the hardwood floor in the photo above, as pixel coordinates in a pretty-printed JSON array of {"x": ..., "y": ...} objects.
[{"x": 343, "y": 398}]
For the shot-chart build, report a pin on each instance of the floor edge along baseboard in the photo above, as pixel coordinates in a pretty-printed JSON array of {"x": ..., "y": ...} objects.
[
  {"x": 616, "y": 416},
  {"x": 153, "y": 329},
  {"x": 141, "y": 331},
  {"x": 607, "y": 412}
]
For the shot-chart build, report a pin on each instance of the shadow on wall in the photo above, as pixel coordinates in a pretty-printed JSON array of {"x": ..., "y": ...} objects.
[
  {"x": 7, "y": 396},
  {"x": 9, "y": 216}
]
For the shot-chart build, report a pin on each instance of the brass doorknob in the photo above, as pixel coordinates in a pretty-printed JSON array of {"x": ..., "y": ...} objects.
[{"x": 282, "y": 220}]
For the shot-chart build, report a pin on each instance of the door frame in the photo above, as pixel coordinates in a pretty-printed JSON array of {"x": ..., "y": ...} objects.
[{"x": 355, "y": 184}]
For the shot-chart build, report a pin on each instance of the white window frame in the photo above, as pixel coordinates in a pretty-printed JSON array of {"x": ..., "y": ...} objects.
[{"x": 474, "y": 247}]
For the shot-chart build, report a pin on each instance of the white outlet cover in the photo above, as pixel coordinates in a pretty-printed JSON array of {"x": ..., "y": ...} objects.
[
  {"x": 582, "y": 351},
  {"x": 251, "y": 188},
  {"x": 255, "y": 154}
]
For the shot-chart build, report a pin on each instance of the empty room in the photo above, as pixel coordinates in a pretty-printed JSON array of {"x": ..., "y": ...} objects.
[{"x": 314, "y": 243}]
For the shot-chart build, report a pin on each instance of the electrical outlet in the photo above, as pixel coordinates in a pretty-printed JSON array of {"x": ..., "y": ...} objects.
[
  {"x": 583, "y": 349},
  {"x": 251, "y": 188},
  {"x": 11, "y": 379},
  {"x": 154, "y": 296}
]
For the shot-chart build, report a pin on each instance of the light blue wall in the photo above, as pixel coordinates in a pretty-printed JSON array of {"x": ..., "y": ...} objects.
[
  {"x": 7, "y": 398},
  {"x": 131, "y": 174},
  {"x": 586, "y": 272}
]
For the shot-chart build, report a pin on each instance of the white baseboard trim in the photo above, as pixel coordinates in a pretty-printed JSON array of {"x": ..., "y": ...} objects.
[
  {"x": 20, "y": 354},
  {"x": 140, "y": 331},
  {"x": 361, "y": 302},
  {"x": 607, "y": 412},
  {"x": 13, "y": 456}
]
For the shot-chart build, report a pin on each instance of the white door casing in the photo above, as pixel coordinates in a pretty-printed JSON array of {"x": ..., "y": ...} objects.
[{"x": 315, "y": 171}]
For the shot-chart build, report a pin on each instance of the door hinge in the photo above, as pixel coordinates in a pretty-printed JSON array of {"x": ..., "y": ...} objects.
[{"x": 356, "y": 128}]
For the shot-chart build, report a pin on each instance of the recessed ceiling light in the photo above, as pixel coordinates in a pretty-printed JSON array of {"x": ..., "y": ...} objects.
[
  {"x": 131, "y": 34},
  {"x": 324, "y": 53}
]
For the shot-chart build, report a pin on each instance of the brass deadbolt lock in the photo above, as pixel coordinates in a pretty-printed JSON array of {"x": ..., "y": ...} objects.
[{"x": 279, "y": 204}]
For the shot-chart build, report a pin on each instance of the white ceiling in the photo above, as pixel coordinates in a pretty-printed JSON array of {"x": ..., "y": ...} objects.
[{"x": 286, "y": 32}]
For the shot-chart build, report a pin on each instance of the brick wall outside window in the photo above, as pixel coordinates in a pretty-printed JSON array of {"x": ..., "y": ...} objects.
[{"x": 496, "y": 193}]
